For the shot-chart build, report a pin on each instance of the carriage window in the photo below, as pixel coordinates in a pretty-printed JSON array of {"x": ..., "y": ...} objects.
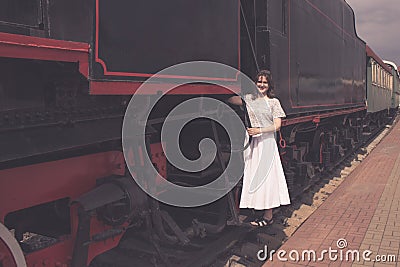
[
  {"x": 386, "y": 80},
  {"x": 372, "y": 71}
]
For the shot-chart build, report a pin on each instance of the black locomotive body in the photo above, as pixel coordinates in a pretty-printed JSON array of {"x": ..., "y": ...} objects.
[
  {"x": 312, "y": 50},
  {"x": 68, "y": 70}
]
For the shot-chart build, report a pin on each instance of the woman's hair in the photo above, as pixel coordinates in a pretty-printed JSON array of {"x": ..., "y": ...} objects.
[{"x": 266, "y": 74}]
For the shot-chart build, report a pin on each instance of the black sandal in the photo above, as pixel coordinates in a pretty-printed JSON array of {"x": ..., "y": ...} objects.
[{"x": 261, "y": 222}]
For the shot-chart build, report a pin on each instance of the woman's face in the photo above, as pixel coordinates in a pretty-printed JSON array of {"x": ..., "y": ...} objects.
[{"x": 262, "y": 84}]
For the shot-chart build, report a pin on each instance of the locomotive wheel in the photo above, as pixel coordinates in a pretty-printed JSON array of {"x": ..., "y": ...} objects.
[{"x": 11, "y": 254}]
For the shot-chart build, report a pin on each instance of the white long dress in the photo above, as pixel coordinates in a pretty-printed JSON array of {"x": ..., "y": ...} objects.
[{"x": 264, "y": 183}]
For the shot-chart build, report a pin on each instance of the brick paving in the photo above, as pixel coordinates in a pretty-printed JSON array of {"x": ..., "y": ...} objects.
[{"x": 364, "y": 211}]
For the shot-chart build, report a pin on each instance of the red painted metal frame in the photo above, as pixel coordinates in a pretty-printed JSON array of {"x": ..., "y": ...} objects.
[
  {"x": 317, "y": 117},
  {"x": 21, "y": 46},
  {"x": 129, "y": 88},
  {"x": 31, "y": 185},
  {"x": 106, "y": 72}
]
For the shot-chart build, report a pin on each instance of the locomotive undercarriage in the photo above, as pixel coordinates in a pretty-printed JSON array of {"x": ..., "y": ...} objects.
[
  {"x": 316, "y": 147},
  {"x": 53, "y": 132},
  {"x": 311, "y": 149}
]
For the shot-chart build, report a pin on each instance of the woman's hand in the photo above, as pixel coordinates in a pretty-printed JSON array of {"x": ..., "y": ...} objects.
[{"x": 254, "y": 131}]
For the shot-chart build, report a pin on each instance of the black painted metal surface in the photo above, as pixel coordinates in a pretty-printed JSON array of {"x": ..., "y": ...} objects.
[
  {"x": 134, "y": 39},
  {"x": 312, "y": 49}
]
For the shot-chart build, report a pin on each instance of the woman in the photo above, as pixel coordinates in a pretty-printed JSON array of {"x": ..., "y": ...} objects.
[{"x": 264, "y": 183}]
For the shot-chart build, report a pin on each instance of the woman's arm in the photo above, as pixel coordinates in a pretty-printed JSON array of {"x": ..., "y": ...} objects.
[
  {"x": 235, "y": 100},
  {"x": 277, "y": 124},
  {"x": 270, "y": 129}
]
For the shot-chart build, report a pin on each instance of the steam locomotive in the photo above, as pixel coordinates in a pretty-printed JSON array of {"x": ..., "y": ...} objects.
[{"x": 69, "y": 69}]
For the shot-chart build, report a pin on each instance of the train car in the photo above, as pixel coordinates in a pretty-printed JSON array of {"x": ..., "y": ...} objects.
[
  {"x": 395, "y": 81},
  {"x": 68, "y": 71},
  {"x": 379, "y": 83},
  {"x": 379, "y": 90}
]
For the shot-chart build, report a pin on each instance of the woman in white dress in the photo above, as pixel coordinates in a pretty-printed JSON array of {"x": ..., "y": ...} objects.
[{"x": 264, "y": 183}]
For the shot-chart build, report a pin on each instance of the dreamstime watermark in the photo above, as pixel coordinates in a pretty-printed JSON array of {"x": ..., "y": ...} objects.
[
  {"x": 340, "y": 253},
  {"x": 136, "y": 121}
]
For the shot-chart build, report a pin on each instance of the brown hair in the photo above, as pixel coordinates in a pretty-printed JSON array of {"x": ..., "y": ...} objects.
[{"x": 266, "y": 74}]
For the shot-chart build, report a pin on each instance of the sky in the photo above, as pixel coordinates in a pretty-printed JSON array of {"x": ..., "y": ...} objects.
[{"x": 378, "y": 24}]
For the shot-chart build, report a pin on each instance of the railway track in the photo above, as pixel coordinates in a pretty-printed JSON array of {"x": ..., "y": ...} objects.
[{"x": 238, "y": 245}]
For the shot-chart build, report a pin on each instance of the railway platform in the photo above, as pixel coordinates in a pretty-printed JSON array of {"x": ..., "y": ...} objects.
[{"x": 359, "y": 224}]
